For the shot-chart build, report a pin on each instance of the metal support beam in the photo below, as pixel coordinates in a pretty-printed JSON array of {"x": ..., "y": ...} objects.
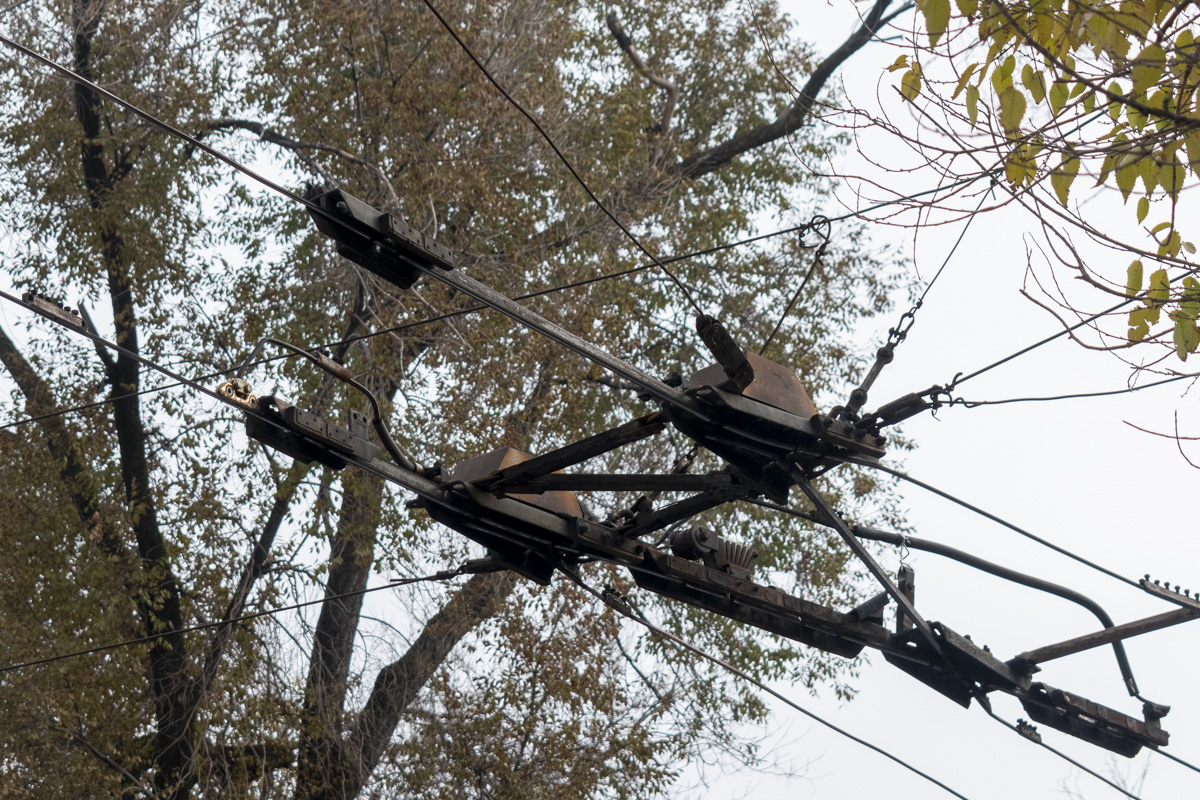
[
  {"x": 656, "y": 520},
  {"x": 1107, "y": 636}
]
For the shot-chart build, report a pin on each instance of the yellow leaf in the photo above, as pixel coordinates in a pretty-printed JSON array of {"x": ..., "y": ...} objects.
[
  {"x": 1133, "y": 279},
  {"x": 1058, "y": 96},
  {"x": 1171, "y": 177},
  {"x": 968, "y": 8},
  {"x": 1012, "y": 110},
  {"x": 1160, "y": 287},
  {"x": 973, "y": 105},
  {"x": 1148, "y": 67},
  {"x": 1143, "y": 209},
  {"x": 1126, "y": 178},
  {"x": 1192, "y": 145},
  {"x": 899, "y": 63},
  {"x": 937, "y": 17},
  {"x": 1114, "y": 108},
  {"x": 1063, "y": 177},
  {"x": 1033, "y": 81},
  {"x": 1147, "y": 170},
  {"x": 910, "y": 84},
  {"x": 962, "y": 80}
]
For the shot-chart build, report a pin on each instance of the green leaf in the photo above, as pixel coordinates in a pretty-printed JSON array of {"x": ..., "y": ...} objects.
[
  {"x": 1148, "y": 67},
  {"x": 1020, "y": 168},
  {"x": 1002, "y": 75},
  {"x": 1192, "y": 145},
  {"x": 1114, "y": 106},
  {"x": 1058, "y": 95},
  {"x": 1012, "y": 110},
  {"x": 1142, "y": 210},
  {"x": 973, "y": 105},
  {"x": 1137, "y": 118},
  {"x": 1062, "y": 178},
  {"x": 1139, "y": 324},
  {"x": 1133, "y": 278},
  {"x": 1033, "y": 81},
  {"x": 968, "y": 8},
  {"x": 1171, "y": 177},
  {"x": 1148, "y": 172},
  {"x": 898, "y": 64},
  {"x": 937, "y": 17}
]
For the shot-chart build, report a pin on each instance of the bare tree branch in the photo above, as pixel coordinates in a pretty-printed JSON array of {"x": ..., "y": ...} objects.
[
  {"x": 795, "y": 115},
  {"x": 626, "y": 44}
]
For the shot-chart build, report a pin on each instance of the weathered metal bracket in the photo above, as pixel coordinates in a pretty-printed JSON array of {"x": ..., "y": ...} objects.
[{"x": 1090, "y": 721}]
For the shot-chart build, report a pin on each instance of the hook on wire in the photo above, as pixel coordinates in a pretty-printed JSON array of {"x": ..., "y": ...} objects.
[{"x": 817, "y": 221}]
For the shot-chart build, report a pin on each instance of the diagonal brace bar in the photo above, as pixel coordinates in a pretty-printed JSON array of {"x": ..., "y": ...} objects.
[
  {"x": 575, "y": 453},
  {"x": 1108, "y": 635},
  {"x": 839, "y": 525}
]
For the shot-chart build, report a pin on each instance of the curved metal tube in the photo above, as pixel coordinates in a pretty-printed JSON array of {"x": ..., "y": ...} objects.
[
  {"x": 342, "y": 374},
  {"x": 937, "y": 548}
]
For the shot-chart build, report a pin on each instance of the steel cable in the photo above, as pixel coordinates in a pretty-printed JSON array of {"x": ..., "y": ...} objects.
[{"x": 657, "y": 631}]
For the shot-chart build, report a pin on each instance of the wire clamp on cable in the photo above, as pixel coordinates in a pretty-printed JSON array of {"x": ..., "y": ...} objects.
[
  {"x": 615, "y": 598},
  {"x": 1028, "y": 730}
]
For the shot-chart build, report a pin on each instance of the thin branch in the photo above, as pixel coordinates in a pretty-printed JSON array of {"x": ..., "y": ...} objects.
[{"x": 626, "y": 45}]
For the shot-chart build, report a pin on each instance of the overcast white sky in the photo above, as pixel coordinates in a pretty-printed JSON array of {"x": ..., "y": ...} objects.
[{"x": 1073, "y": 472}]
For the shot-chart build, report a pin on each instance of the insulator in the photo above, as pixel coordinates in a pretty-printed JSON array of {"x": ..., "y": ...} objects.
[{"x": 740, "y": 555}]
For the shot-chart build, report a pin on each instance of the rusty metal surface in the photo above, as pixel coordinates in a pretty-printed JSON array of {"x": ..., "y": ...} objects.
[
  {"x": 773, "y": 384},
  {"x": 1090, "y": 721},
  {"x": 486, "y": 465}
]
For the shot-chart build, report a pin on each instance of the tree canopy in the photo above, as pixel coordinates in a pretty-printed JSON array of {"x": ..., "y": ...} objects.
[{"x": 137, "y": 509}]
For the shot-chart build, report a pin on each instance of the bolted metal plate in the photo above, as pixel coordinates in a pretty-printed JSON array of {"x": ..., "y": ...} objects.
[
  {"x": 773, "y": 384},
  {"x": 480, "y": 467}
]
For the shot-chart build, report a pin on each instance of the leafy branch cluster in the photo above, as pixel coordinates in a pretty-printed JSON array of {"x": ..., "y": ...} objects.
[{"x": 1071, "y": 88}]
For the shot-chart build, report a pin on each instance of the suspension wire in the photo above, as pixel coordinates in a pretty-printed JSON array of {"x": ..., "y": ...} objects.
[
  {"x": 812, "y": 268},
  {"x": 623, "y": 606},
  {"x": 443, "y": 575},
  {"x": 991, "y": 193},
  {"x": 900, "y": 332},
  {"x": 472, "y": 309},
  {"x": 563, "y": 158},
  {"x": 1026, "y": 731},
  {"x": 959, "y": 379},
  {"x": 998, "y": 520},
  {"x": 1176, "y": 759},
  {"x": 1077, "y": 396},
  {"x": 141, "y": 359},
  {"x": 886, "y": 353},
  {"x": 153, "y": 120}
]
